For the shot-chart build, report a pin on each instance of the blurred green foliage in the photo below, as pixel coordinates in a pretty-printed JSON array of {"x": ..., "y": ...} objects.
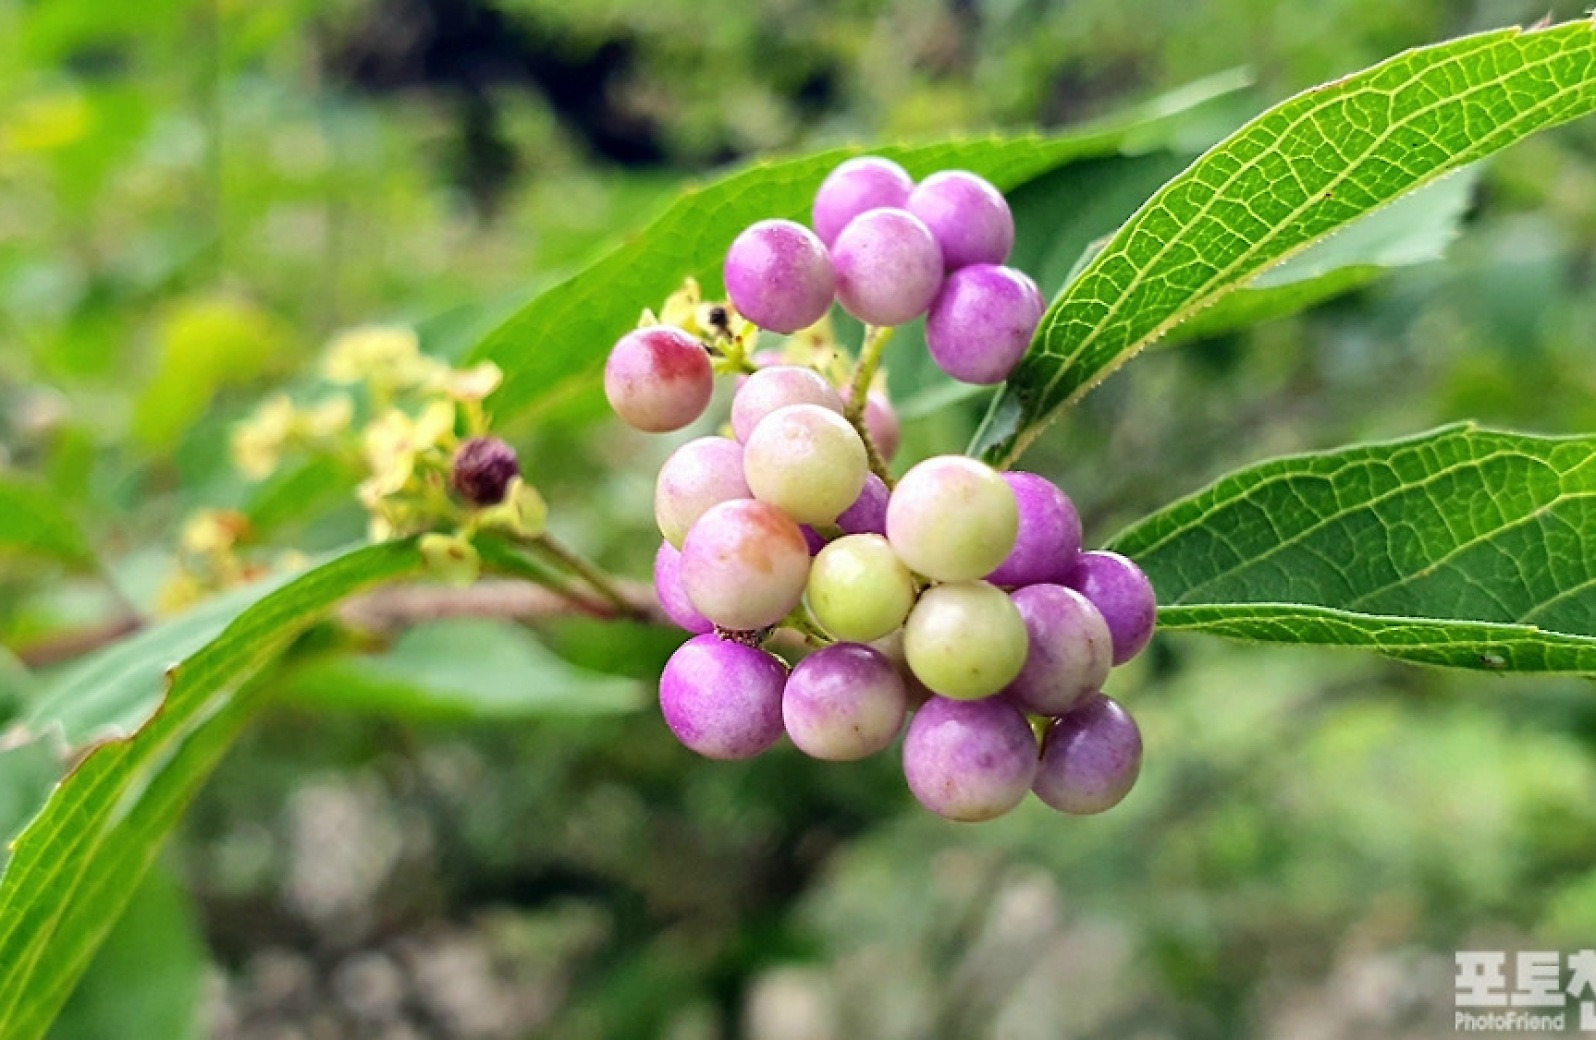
[{"x": 195, "y": 193}]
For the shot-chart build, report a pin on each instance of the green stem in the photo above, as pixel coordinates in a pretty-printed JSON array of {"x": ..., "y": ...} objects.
[
  {"x": 804, "y": 623},
  {"x": 864, "y": 373},
  {"x": 590, "y": 572},
  {"x": 506, "y": 558}
]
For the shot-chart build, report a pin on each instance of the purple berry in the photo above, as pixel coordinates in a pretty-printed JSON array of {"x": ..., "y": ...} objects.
[
  {"x": 868, "y": 514},
  {"x": 722, "y": 699},
  {"x": 658, "y": 378},
  {"x": 969, "y": 760},
  {"x": 777, "y": 387},
  {"x": 745, "y": 565},
  {"x": 969, "y": 217},
  {"x": 812, "y": 538},
  {"x": 1122, "y": 594},
  {"x": 881, "y": 422},
  {"x": 779, "y": 276},
  {"x": 981, "y": 323},
  {"x": 844, "y": 702},
  {"x": 482, "y": 470},
  {"x": 1035, "y": 290},
  {"x": 866, "y": 183},
  {"x": 699, "y": 474},
  {"x": 1049, "y": 537},
  {"x": 1090, "y": 758},
  {"x": 672, "y": 597},
  {"x": 1069, "y": 650},
  {"x": 888, "y": 267}
]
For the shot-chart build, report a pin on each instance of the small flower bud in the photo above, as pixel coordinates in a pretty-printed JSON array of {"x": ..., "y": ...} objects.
[{"x": 483, "y": 469}]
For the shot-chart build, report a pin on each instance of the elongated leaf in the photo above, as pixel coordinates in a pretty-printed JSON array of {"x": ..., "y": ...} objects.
[
  {"x": 463, "y": 670},
  {"x": 147, "y": 981},
  {"x": 1414, "y": 229},
  {"x": 1302, "y": 170},
  {"x": 1463, "y": 547},
  {"x": 555, "y": 345},
  {"x": 74, "y": 868},
  {"x": 32, "y": 523},
  {"x": 110, "y": 695}
]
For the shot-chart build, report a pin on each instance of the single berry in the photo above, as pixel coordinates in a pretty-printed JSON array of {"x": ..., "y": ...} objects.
[
  {"x": 952, "y": 518},
  {"x": 1070, "y": 650},
  {"x": 888, "y": 267},
  {"x": 722, "y": 699},
  {"x": 866, "y": 183},
  {"x": 1122, "y": 594},
  {"x": 868, "y": 514},
  {"x": 858, "y": 588},
  {"x": 744, "y": 565},
  {"x": 965, "y": 640},
  {"x": 1090, "y": 758},
  {"x": 881, "y": 421},
  {"x": 969, "y": 217},
  {"x": 672, "y": 597},
  {"x": 777, "y": 387},
  {"x": 482, "y": 470},
  {"x": 695, "y": 476},
  {"x": 806, "y": 460},
  {"x": 843, "y": 703},
  {"x": 1049, "y": 537},
  {"x": 969, "y": 760},
  {"x": 779, "y": 276},
  {"x": 981, "y": 323},
  {"x": 1034, "y": 289},
  {"x": 658, "y": 378}
]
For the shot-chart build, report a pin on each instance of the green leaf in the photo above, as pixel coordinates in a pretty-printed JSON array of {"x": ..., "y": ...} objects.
[
  {"x": 1464, "y": 547},
  {"x": 77, "y": 864},
  {"x": 27, "y": 773},
  {"x": 1414, "y": 229},
  {"x": 33, "y": 523},
  {"x": 555, "y": 346},
  {"x": 1304, "y": 169},
  {"x": 146, "y": 982},
  {"x": 18, "y": 687},
  {"x": 462, "y": 670},
  {"x": 109, "y": 695}
]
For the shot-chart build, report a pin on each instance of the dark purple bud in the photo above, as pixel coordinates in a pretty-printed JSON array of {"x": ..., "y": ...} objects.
[{"x": 483, "y": 469}]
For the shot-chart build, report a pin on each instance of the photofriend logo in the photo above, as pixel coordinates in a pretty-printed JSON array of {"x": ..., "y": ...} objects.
[{"x": 1534, "y": 991}]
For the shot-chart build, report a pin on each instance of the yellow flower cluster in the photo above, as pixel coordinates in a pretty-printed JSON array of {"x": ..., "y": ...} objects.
[
  {"x": 210, "y": 559},
  {"x": 731, "y": 337},
  {"x": 394, "y": 415},
  {"x": 414, "y": 406},
  {"x": 279, "y": 425}
]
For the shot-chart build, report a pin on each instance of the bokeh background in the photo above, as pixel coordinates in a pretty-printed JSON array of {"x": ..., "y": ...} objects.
[{"x": 194, "y": 194}]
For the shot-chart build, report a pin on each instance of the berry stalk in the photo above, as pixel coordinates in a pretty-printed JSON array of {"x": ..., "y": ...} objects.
[
  {"x": 864, "y": 373},
  {"x": 592, "y": 574}
]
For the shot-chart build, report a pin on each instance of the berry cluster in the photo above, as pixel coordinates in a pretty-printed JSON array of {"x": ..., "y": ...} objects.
[{"x": 961, "y": 594}]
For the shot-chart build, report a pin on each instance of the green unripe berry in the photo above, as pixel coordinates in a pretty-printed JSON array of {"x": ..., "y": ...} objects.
[
  {"x": 807, "y": 461},
  {"x": 952, "y": 518},
  {"x": 965, "y": 640},
  {"x": 858, "y": 588}
]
